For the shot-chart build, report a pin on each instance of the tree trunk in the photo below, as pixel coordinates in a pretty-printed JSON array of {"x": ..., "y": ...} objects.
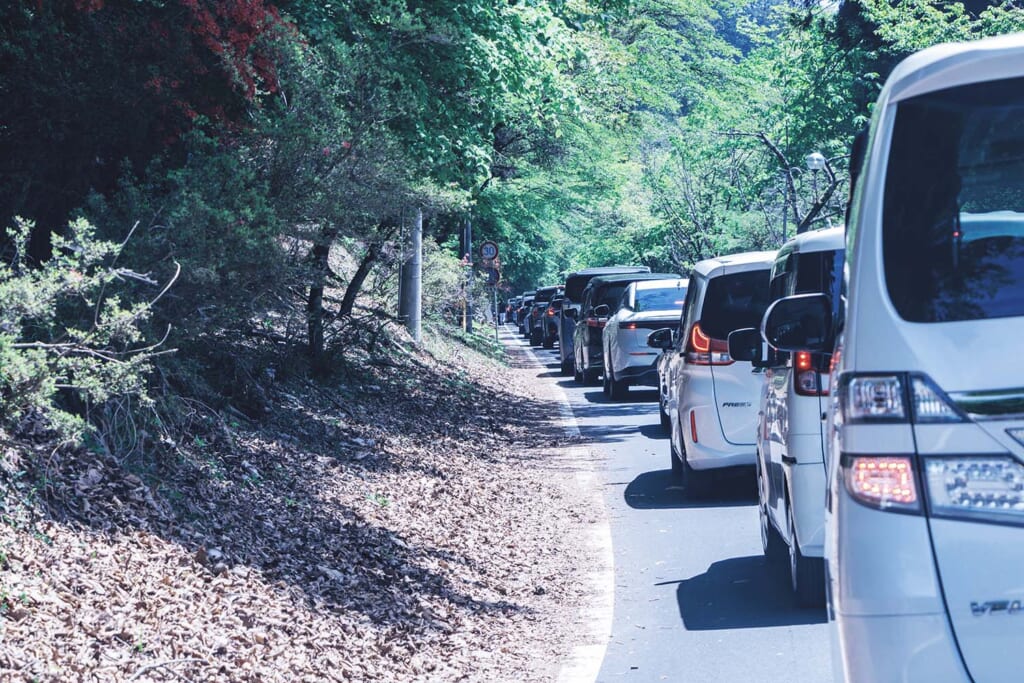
[
  {"x": 315, "y": 303},
  {"x": 354, "y": 285}
]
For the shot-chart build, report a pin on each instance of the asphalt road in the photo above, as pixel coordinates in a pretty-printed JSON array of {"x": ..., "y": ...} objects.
[{"x": 695, "y": 599}]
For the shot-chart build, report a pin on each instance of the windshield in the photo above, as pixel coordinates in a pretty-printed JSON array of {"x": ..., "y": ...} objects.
[
  {"x": 662, "y": 299},
  {"x": 953, "y": 221}
]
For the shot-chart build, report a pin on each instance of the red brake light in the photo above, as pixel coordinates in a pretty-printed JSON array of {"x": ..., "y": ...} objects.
[
  {"x": 698, "y": 340},
  {"x": 551, "y": 312},
  {"x": 806, "y": 380},
  {"x": 704, "y": 350},
  {"x": 881, "y": 481},
  {"x": 629, "y": 326}
]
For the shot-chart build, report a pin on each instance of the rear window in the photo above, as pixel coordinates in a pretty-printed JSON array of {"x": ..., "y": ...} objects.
[
  {"x": 953, "y": 221},
  {"x": 662, "y": 299},
  {"x": 610, "y": 295},
  {"x": 733, "y": 302},
  {"x": 819, "y": 271}
]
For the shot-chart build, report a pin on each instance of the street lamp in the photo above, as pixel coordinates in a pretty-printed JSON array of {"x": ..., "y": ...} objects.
[{"x": 815, "y": 162}]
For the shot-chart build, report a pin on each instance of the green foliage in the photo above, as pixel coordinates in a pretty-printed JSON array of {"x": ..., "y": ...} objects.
[{"x": 67, "y": 339}]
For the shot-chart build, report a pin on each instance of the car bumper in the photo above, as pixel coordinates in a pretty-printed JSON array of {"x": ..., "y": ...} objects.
[
  {"x": 711, "y": 450},
  {"x": 645, "y": 375},
  {"x": 908, "y": 649}
]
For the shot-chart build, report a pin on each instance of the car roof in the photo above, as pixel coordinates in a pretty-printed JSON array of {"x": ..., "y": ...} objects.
[
  {"x": 662, "y": 282},
  {"x": 827, "y": 239},
  {"x": 576, "y": 282},
  {"x": 952, "y": 64},
  {"x": 734, "y": 263},
  {"x": 631, "y": 277}
]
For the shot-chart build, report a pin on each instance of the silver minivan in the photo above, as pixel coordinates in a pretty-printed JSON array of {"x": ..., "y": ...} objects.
[{"x": 924, "y": 539}]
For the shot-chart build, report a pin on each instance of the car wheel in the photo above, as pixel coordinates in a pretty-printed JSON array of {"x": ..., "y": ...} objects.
[
  {"x": 577, "y": 374},
  {"x": 606, "y": 384},
  {"x": 666, "y": 422},
  {"x": 695, "y": 483},
  {"x": 536, "y": 337},
  {"x": 617, "y": 388},
  {"x": 590, "y": 376},
  {"x": 807, "y": 574},
  {"x": 549, "y": 343},
  {"x": 568, "y": 367},
  {"x": 677, "y": 462},
  {"x": 771, "y": 542}
]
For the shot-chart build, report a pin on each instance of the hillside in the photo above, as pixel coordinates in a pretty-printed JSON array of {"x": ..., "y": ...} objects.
[{"x": 409, "y": 521}]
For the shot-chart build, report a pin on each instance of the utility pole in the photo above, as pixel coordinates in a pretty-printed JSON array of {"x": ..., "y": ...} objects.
[
  {"x": 469, "y": 275},
  {"x": 411, "y": 300}
]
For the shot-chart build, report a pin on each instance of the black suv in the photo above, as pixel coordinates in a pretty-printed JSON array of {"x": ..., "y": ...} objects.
[{"x": 588, "y": 348}]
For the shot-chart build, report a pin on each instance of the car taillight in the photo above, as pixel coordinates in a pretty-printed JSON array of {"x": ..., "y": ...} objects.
[
  {"x": 595, "y": 322},
  {"x": 806, "y": 380},
  {"x": 551, "y": 312},
  {"x": 629, "y": 326},
  {"x": 895, "y": 398},
  {"x": 987, "y": 487},
  {"x": 703, "y": 350},
  {"x": 885, "y": 482}
]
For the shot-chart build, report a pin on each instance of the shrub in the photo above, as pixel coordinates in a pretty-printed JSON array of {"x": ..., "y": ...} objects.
[{"x": 68, "y": 341}]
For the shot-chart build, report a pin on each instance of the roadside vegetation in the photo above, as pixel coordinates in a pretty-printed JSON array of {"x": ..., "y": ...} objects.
[{"x": 204, "y": 207}]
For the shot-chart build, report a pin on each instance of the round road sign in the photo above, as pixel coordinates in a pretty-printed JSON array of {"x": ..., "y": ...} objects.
[{"x": 488, "y": 250}]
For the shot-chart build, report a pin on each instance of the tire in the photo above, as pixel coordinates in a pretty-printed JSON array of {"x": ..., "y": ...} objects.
[
  {"x": 771, "y": 542},
  {"x": 548, "y": 343},
  {"x": 617, "y": 388},
  {"x": 806, "y": 574},
  {"x": 606, "y": 384},
  {"x": 695, "y": 483},
  {"x": 666, "y": 422},
  {"x": 677, "y": 463},
  {"x": 577, "y": 374},
  {"x": 568, "y": 367},
  {"x": 536, "y": 336},
  {"x": 590, "y": 376}
]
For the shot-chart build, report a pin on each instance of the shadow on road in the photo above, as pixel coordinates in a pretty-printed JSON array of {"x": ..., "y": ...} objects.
[
  {"x": 742, "y": 592},
  {"x": 658, "y": 490}
]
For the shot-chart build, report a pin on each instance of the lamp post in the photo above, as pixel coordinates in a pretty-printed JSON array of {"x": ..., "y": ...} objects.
[{"x": 815, "y": 162}]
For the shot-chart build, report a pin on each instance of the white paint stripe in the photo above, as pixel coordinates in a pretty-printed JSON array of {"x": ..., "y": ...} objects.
[{"x": 583, "y": 662}]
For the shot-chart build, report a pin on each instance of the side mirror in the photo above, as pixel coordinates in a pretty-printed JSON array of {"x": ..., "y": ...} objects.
[
  {"x": 745, "y": 344},
  {"x": 799, "y": 323},
  {"x": 602, "y": 311},
  {"x": 661, "y": 339}
]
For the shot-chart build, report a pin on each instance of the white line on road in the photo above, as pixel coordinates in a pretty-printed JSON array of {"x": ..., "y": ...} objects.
[{"x": 583, "y": 662}]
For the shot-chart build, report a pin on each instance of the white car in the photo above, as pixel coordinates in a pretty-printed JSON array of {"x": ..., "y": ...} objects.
[
  {"x": 790, "y": 451},
  {"x": 645, "y": 306},
  {"x": 712, "y": 403},
  {"x": 924, "y": 526}
]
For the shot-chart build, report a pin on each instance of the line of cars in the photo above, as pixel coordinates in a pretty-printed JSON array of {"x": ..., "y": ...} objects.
[
  {"x": 871, "y": 377},
  {"x": 888, "y": 440}
]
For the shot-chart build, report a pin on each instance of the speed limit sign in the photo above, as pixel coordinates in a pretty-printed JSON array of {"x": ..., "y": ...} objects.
[{"x": 488, "y": 250}]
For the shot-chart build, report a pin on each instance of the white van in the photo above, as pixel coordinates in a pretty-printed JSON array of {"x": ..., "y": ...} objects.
[
  {"x": 790, "y": 431},
  {"x": 712, "y": 402},
  {"x": 925, "y": 506}
]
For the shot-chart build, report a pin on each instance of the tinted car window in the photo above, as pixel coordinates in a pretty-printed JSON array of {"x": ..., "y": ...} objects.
[
  {"x": 610, "y": 295},
  {"x": 733, "y": 302},
  {"x": 953, "y": 213},
  {"x": 819, "y": 271},
  {"x": 663, "y": 299}
]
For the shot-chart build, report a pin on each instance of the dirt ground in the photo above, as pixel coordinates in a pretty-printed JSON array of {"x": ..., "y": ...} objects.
[{"x": 418, "y": 519}]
